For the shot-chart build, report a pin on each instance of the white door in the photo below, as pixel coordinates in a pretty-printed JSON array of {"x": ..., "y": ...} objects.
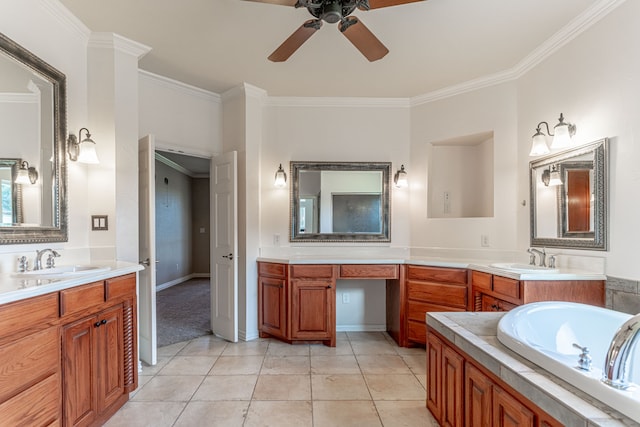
[
  {"x": 147, "y": 251},
  {"x": 224, "y": 246}
]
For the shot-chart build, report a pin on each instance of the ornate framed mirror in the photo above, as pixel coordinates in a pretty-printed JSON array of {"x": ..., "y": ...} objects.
[
  {"x": 340, "y": 202},
  {"x": 33, "y": 118},
  {"x": 569, "y": 194}
]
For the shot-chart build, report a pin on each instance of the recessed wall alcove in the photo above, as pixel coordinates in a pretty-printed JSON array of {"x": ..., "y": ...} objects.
[{"x": 460, "y": 177}]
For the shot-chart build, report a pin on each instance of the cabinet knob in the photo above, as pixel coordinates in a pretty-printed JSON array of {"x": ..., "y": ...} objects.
[
  {"x": 97, "y": 324},
  {"x": 495, "y": 307},
  {"x": 103, "y": 322},
  {"x": 328, "y": 286}
]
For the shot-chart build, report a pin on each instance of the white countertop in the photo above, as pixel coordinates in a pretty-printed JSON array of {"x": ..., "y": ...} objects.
[
  {"x": 478, "y": 265},
  {"x": 15, "y": 289}
]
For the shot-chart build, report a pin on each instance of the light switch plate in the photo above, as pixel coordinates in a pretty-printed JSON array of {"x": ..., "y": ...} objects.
[{"x": 99, "y": 222}]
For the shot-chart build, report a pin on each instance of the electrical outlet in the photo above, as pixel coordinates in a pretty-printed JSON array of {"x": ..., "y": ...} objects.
[
  {"x": 447, "y": 202},
  {"x": 346, "y": 298},
  {"x": 484, "y": 241}
]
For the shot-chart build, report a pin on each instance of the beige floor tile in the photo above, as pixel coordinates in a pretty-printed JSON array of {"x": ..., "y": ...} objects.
[
  {"x": 283, "y": 387},
  {"x": 173, "y": 349},
  {"x": 373, "y": 347},
  {"x": 160, "y": 363},
  {"x": 279, "y": 414},
  {"x": 339, "y": 387},
  {"x": 237, "y": 365},
  {"x": 412, "y": 413},
  {"x": 146, "y": 414},
  {"x": 277, "y": 348},
  {"x": 417, "y": 363},
  {"x": 345, "y": 413},
  {"x": 167, "y": 388},
  {"x": 218, "y": 414},
  {"x": 188, "y": 365},
  {"x": 226, "y": 387},
  {"x": 142, "y": 380},
  {"x": 248, "y": 348},
  {"x": 274, "y": 365},
  {"x": 207, "y": 346},
  {"x": 366, "y": 336},
  {"x": 334, "y": 365},
  {"x": 342, "y": 348},
  {"x": 382, "y": 364},
  {"x": 423, "y": 380},
  {"x": 411, "y": 351},
  {"x": 395, "y": 387}
]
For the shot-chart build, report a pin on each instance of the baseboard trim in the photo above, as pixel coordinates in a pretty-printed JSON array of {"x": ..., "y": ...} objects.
[
  {"x": 166, "y": 285},
  {"x": 361, "y": 328}
]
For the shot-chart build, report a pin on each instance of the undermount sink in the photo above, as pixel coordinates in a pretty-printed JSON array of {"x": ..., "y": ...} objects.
[
  {"x": 62, "y": 272},
  {"x": 523, "y": 268}
]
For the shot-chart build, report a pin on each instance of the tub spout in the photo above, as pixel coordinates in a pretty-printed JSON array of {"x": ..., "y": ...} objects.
[{"x": 618, "y": 359}]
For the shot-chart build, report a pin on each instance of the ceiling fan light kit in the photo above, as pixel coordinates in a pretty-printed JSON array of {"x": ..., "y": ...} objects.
[{"x": 334, "y": 11}]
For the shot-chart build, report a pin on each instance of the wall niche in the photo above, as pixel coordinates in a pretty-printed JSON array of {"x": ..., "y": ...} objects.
[{"x": 460, "y": 177}]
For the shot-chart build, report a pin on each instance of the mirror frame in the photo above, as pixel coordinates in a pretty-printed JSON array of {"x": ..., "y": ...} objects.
[
  {"x": 16, "y": 190},
  {"x": 58, "y": 231},
  {"x": 294, "y": 203},
  {"x": 597, "y": 240}
]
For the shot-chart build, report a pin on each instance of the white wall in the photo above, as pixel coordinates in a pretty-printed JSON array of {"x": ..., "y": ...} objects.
[{"x": 595, "y": 81}]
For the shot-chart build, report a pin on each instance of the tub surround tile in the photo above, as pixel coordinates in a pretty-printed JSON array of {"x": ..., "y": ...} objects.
[{"x": 561, "y": 400}]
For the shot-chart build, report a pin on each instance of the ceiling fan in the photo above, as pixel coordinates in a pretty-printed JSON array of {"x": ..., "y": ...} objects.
[{"x": 333, "y": 11}]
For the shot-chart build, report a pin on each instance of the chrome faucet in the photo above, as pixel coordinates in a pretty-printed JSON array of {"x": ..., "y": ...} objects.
[
  {"x": 541, "y": 253},
  {"x": 37, "y": 263},
  {"x": 617, "y": 361}
]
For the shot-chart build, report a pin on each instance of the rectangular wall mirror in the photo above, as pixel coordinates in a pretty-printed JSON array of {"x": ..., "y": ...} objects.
[
  {"x": 569, "y": 193},
  {"x": 339, "y": 201}
]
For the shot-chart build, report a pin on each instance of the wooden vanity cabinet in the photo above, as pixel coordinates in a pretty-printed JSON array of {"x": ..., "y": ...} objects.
[
  {"x": 432, "y": 289},
  {"x": 272, "y": 298},
  {"x": 492, "y": 292},
  {"x": 460, "y": 392}
]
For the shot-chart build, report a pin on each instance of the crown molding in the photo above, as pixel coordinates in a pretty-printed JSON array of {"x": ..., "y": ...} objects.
[
  {"x": 172, "y": 84},
  {"x": 63, "y": 15},
  {"x": 338, "y": 102},
  {"x": 550, "y": 46},
  {"x": 117, "y": 42}
]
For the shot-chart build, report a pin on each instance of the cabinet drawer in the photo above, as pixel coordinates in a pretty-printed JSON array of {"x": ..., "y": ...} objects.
[
  {"x": 269, "y": 269},
  {"x": 507, "y": 287},
  {"x": 481, "y": 280},
  {"x": 122, "y": 286},
  {"x": 36, "y": 406},
  {"x": 443, "y": 294},
  {"x": 27, "y": 360},
  {"x": 437, "y": 274},
  {"x": 313, "y": 271},
  {"x": 417, "y": 310},
  {"x": 77, "y": 299},
  {"x": 369, "y": 271},
  {"x": 490, "y": 303},
  {"x": 27, "y": 314}
]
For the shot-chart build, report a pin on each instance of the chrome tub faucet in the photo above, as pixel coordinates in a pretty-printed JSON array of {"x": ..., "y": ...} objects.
[{"x": 618, "y": 360}]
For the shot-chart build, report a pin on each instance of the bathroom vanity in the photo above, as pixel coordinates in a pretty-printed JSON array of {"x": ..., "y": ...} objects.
[
  {"x": 68, "y": 347},
  {"x": 297, "y": 296}
]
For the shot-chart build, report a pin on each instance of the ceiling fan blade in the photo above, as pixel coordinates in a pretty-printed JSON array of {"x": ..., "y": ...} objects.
[
  {"x": 377, "y": 4},
  {"x": 362, "y": 38},
  {"x": 280, "y": 2},
  {"x": 295, "y": 40}
]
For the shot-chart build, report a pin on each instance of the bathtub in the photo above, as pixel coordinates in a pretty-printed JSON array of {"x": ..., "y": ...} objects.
[{"x": 545, "y": 332}]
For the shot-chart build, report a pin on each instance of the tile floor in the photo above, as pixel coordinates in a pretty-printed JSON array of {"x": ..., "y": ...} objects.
[{"x": 366, "y": 380}]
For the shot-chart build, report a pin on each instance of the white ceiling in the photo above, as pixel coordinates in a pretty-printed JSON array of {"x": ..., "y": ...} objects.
[{"x": 434, "y": 44}]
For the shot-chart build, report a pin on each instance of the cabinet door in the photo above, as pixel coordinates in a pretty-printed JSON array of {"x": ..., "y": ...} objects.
[
  {"x": 109, "y": 357},
  {"x": 79, "y": 388},
  {"x": 312, "y": 309},
  {"x": 478, "y": 392},
  {"x": 452, "y": 388},
  {"x": 273, "y": 306},
  {"x": 509, "y": 412},
  {"x": 434, "y": 376}
]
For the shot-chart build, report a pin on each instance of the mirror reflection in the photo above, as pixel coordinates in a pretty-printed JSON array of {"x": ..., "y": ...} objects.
[
  {"x": 346, "y": 201},
  {"x": 568, "y": 198},
  {"x": 32, "y": 118}
]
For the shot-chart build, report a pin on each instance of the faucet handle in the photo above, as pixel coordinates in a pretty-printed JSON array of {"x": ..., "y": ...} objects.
[
  {"x": 23, "y": 264},
  {"x": 552, "y": 261},
  {"x": 584, "y": 362},
  {"x": 51, "y": 262}
]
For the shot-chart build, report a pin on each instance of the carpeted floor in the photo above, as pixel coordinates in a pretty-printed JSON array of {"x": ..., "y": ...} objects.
[{"x": 183, "y": 312}]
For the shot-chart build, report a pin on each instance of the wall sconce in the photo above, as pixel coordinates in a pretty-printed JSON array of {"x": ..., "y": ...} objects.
[
  {"x": 26, "y": 174},
  {"x": 84, "y": 151},
  {"x": 563, "y": 132},
  {"x": 280, "y": 178},
  {"x": 554, "y": 177},
  {"x": 546, "y": 176},
  {"x": 400, "y": 179}
]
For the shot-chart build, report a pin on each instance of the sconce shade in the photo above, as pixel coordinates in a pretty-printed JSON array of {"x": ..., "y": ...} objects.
[
  {"x": 555, "y": 177},
  {"x": 280, "y": 178},
  {"x": 400, "y": 178},
  {"x": 26, "y": 174},
  {"x": 83, "y": 152},
  {"x": 562, "y": 133},
  {"x": 539, "y": 144}
]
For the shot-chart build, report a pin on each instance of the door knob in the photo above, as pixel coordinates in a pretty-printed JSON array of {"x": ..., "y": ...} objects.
[
  {"x": 146, "y": 262},
  {"x": 229, "y": 257}
]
